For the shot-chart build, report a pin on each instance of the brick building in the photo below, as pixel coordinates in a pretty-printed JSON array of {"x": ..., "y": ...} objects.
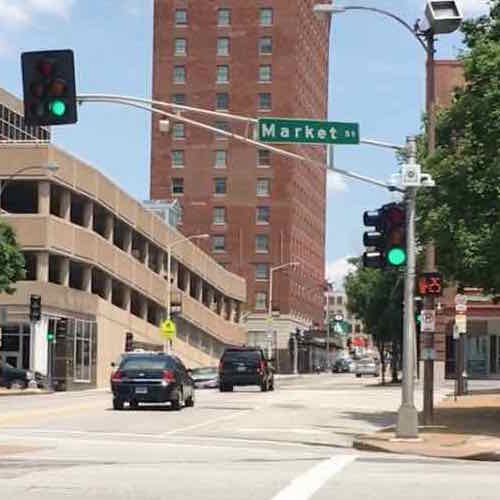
[{"x": 260, "y": 58}]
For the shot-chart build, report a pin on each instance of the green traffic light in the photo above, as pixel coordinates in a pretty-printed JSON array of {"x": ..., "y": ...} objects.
[
  {"x": 396, "y": 256},
  {"x": 57, "y": 107},
  {"x": 50, "y": 336}
]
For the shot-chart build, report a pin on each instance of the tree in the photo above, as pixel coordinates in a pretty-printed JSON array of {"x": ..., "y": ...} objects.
[
  {"x": 376, "y": 297},
  {"x": 462, "y": 214},
  {"x": 12, "y": 265}
]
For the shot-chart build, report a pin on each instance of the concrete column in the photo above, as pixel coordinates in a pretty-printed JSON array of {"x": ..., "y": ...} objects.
[
  {"x": 210, "y": 298},
  {"x": 143, "y": 308},
  {"x": 109, "y": 227},
  {"x": 126, "y": 298},
  {"x": 146, "y": 254},
  {"x": 42, "y": 267},
  {"x": 174, "y": 272},
  {"x": 232, "y": 311},
  {"x": 108, "y": 287},
  {"x": 87, "y": 279},
  {"x": 199, "y": 290},
  {"x": 127, "y": 241},
  {"x": 88, "y": 214},
  {"x": 44, "y": 198},
  {"x": 159, "y": 263},
  {"x": 64, "y": 271},
  {"x": 220, "y": 305},
  {"x": 65, "y": 204},
  {"x": 187, "y": 282}
]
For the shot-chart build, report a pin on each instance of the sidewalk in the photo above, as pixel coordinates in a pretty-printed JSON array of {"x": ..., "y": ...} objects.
[
  {"x": 468, "y": 428},
  {"x": 20, "y": 392}
]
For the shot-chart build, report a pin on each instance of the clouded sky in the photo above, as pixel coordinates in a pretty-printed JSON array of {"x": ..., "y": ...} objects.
[{"x": 376, "y": 79}]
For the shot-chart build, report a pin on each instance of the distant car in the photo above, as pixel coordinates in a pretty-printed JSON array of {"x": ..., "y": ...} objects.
[
  {"x": 205, "y": 377},
  {"x": 242, "y": 366},
  {"x": 367, "y": 366},
  {"x": 152, "y": 378},
  {"x": 18, "y": 378},
  {"x": 342, "y": 365}
]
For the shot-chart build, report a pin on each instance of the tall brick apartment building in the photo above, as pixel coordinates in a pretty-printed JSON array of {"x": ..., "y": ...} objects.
[{"x": 252, "y": 58}]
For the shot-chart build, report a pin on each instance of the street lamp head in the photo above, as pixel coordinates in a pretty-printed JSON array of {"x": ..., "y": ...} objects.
[
  {"x": 201, "y": 236},
  {"x": 444, "y": 16},
  {"x": 325, "y": 9}
]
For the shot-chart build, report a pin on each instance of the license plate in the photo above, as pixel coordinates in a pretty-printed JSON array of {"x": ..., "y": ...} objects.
[
  {"x": 141, "y": 390},
  {"x": 242, "y": 368}
]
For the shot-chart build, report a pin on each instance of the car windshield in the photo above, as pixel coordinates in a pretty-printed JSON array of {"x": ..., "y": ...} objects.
[
  {"x": 146, "y": 363},
  {"x": 204, "y": 371}
]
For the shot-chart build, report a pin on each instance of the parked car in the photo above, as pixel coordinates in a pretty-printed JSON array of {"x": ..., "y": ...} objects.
[
  {"x": 367, "y": 366},
  {"x": 152, "y": 378},
  {"x": 342, "y": 365},
  {"x": 205, "y": 377},
  {"x": 18, "y": 378},
  {"x": 241, "y": 366}
]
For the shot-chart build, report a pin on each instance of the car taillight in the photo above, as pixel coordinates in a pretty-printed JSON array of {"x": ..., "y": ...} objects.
[
  {"x": 116, "y": 376},
  {"x": 169, "y": 375}
]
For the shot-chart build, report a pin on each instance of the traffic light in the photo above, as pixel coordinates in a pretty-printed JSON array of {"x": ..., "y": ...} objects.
[
  {"x": 61, "y": 329},
  {"x": 35, "y": 308},
  {"x": 387, "y": 241},
  {"x": 50, "y": 336},
  {"x": 129, "y": 342},
  {"x": 49, "y": 87}
]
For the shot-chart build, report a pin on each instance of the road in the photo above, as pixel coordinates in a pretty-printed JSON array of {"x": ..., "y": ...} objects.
[{"x": 291, "y": 444}]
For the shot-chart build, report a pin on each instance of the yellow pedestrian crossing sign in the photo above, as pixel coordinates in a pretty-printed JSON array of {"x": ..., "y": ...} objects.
[{"x": 168, "y": 329}]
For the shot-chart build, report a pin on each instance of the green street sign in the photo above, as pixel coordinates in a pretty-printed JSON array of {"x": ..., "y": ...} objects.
[{"x": 292, "y": 130}]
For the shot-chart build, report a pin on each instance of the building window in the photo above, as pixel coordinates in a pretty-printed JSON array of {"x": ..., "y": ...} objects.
[
  {"x": 265, "y": 45},
  {"x": 222, "y": 74},
  {"x": 181, "y": 17},
  {"x": 265, "y": 73},
  {"x": 263, "y": 187},
  {"x": 222, "y": 125},
  {"x": 262, "y": 243},
  {"x": 263, "y": 158},
  {"x": 223, "y": 46},
  {"x": 179, "y": 74},
  {"x": 224, "y": 17},
  {"x": 177, "y": 158},
  {"x": 180, "y": 47},
  {"x": 219, "y": 243},
  {"x": 339, "y": 300},
  {"x": 266, "y": 17},
  {"x": 82, "y": 351},
  {"x": 220, "y": 186},
  {"x": 219, "y": 215},
  {"x": 220, "y": 158},
  {"x": 179, "y": 99},
  {"x": 262, "y": 271},
  {"x": 261, "y": 301},
  {"x": 222, "y": 101},
  {"x": 263, "y": 215},
  {"x": 265, "y": 101},
  {"x": 179, "y": 131},
  {"x": 177, "y": 185}
]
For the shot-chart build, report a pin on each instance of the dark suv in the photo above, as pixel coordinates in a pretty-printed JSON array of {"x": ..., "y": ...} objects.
[
  {"x": 17, "y": 378},
  {"x": 245, "y": 366},
  {"x": 152, "y": 378}
]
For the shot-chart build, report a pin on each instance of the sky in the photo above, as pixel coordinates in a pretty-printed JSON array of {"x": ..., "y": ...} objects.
[{"x": 377, "y": 78}]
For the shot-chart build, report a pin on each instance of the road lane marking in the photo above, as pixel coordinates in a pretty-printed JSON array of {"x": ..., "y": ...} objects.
[
  {"x": 307, "y": 484},
  {"x": 207, "y": 422}
]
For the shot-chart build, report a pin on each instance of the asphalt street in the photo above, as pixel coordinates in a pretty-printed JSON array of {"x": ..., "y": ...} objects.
[{"x": 291, "y": 444}]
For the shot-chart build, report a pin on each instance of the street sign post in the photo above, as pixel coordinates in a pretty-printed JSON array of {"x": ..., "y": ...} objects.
[{"x": 290, "y": 130}]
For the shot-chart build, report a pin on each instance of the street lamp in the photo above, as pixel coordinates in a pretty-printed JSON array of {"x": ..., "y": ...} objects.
[
  {"x": 443, "y": 17},
  {"x": 169, "y": 273},
  {"x": 270, "y": 302}
]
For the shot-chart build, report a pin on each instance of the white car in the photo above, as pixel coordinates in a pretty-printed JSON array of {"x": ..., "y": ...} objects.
[{"x": 367, "y": 366}]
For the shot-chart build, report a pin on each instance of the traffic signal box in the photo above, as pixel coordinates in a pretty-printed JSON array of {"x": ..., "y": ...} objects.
[
  {"x": 35, "y": 308},
  {"x": 49, "y": 87},
  {"x": 387, "y": 242}
]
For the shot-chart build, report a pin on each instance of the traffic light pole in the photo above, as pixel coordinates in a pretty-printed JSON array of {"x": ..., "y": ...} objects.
[{"x": 407, "y": 426}]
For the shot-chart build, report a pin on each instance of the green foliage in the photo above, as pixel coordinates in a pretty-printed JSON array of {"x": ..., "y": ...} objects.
[
  {"x": 11, "y": 259},
  {"x": 376, "y": 297},
  {"x": 462, "y": 214}
]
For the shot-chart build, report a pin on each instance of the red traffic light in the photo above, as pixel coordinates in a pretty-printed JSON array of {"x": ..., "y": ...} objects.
[{"x": 45, "y": 67}]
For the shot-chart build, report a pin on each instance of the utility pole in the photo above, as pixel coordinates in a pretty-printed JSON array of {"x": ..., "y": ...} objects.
[{"x": 407, "y": 426}]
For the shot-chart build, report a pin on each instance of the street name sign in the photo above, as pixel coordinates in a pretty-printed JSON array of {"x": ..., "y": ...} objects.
[{"x": 295, "y": 130}]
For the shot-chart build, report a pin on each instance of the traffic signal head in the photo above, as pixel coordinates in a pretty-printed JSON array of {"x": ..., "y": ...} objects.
[
  {"x": 129, "y": 342},
  {"x": 49, "y": 87},
  {"x": 396, "y": 235},
  {"x": 50, "y": 336},
  {"x": 35, "y": 308}
]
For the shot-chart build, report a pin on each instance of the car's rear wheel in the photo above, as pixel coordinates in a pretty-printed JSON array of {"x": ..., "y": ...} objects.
[
  {"x": 178, "y": 403},
  {"x": 358, "y": 375},
  {"x": 117, "y": 404},
  {"x": 190, "y": 400},
  {"x": 17, "y": 384}
]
